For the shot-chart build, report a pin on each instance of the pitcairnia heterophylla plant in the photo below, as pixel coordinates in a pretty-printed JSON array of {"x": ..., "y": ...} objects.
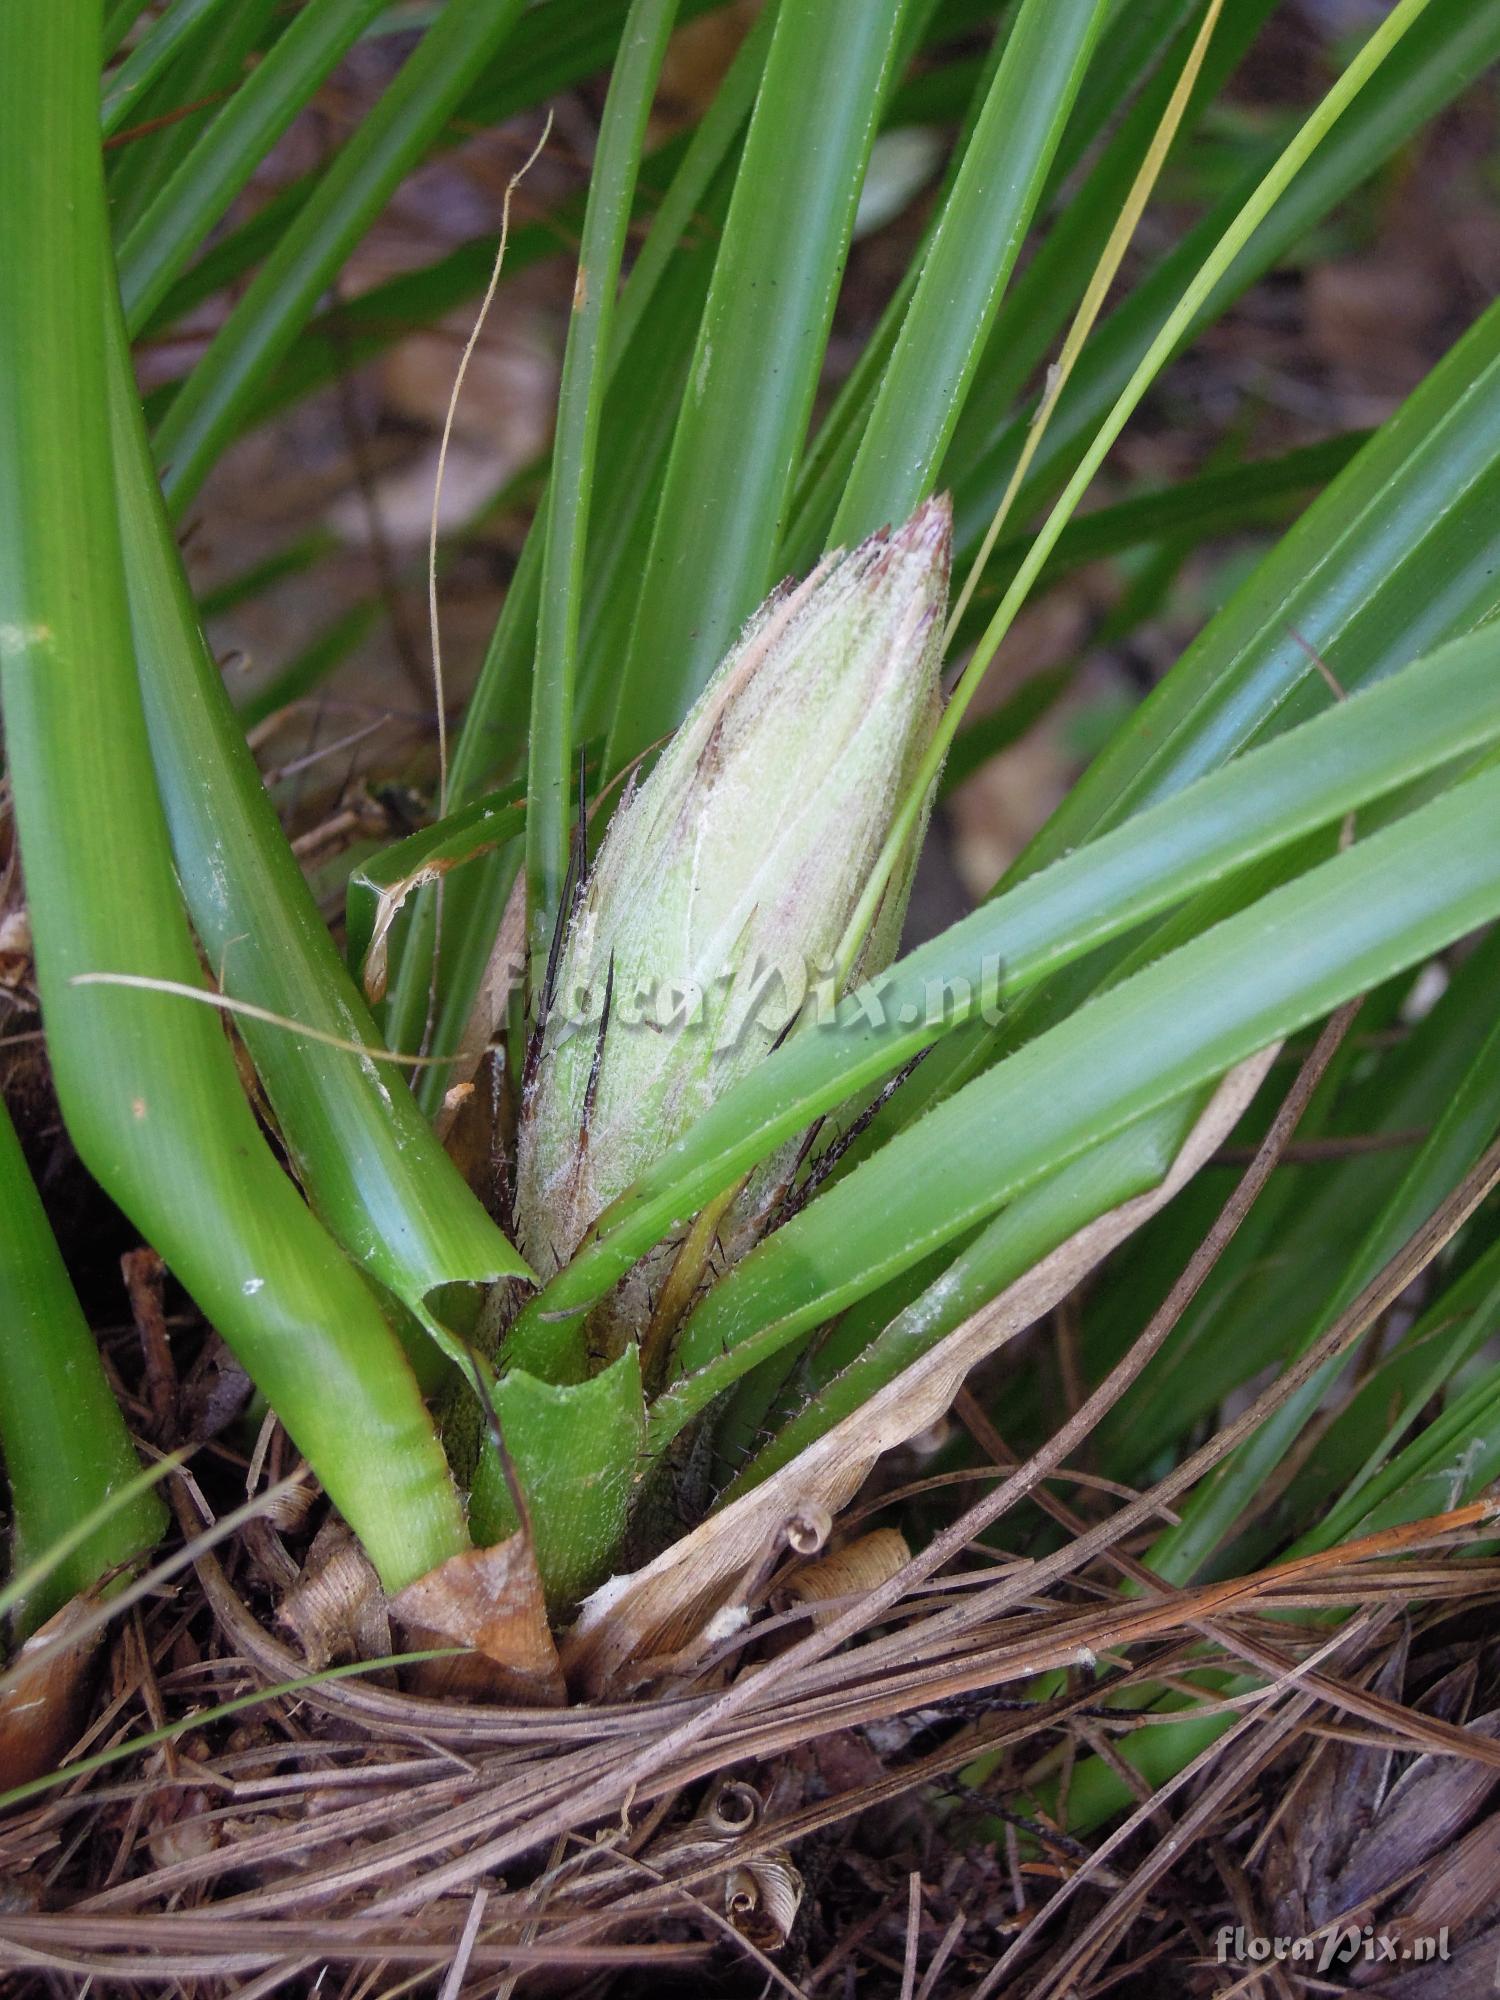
[{"x": 732, "y": 1254}]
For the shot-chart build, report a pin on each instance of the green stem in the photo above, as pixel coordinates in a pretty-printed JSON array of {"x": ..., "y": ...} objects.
[{"x": 63, "y": 1441}]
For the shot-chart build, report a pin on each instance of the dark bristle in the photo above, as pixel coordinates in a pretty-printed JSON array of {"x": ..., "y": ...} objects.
[
  {"x": 591, "y": 1092},
  {"x": 574, "y": 883},
  {"x": 821, "y": 1168},
  {"x": 579, "y": 861}
]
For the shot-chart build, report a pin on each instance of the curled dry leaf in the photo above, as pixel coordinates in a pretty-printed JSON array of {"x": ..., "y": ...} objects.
[
  {"x": 337, "y": 1610},
  {"x": 735, "y": 1808},
  {"x": 760, "y": 1893},
  {"x": 808, "y": 1531},
  {"x": 288, "y": 1505},
  {"x": 761, "y": 1899},
  {"x": 676, "y": 1604},
  {"x": 731, "y": 1812},
  {"x": 380, "y": 887},
  {"x": 15, "y": 946},
  {"x": 390, "y": 902},
  {"x": 849, "y": 1572},
  {"x": 42, "y": 1694},
  {"x": 491, "y": 1601}
]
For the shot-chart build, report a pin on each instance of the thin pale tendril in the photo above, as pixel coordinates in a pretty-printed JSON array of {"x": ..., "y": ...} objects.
[
  {"x": 142, "y": 982},
  {"x": 437, "y": 486}
]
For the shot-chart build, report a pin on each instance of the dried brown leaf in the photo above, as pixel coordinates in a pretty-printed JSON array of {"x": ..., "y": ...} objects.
[
  {"x": 43, "y": 1691},
  {"x": 1430, "y": 1804},
  {"x": 502, "y": 972},
  {"x": 1335, "y": 1809},
  {"x": 850, "y": 1571},
  {"x": 490, "y": 1600},
  {"x": 337, "y": 1610},
  {"x": 761, "y": 1899},
  {"x": 1461, "y": 1888}
]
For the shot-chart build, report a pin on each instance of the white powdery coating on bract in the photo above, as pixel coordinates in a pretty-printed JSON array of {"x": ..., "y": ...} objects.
[{"x": 735, "y": 868}]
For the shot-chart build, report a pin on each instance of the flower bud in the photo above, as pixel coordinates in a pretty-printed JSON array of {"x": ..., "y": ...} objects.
[{"x": 725, "y": 883}]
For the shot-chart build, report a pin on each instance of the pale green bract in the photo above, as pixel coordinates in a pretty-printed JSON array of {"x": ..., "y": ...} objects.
[{"x": 725, "y": 881}]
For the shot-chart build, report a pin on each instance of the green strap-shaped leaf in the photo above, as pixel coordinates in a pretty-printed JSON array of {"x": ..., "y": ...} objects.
[
  {"x": 1453, "y": 1457},
  {"x": 146, "y": 1080},
  {"x": 759, "y": 355},
  {"x": 1044, "y": 296},
  {"x": 207, "y": 68},
  {"x": 555, "y": 49},
  {"x": 1259, "y": 493},
  {"x": 580, "y": 404},
  {"x": 1397, "y": 555},
  {"x": 1361, "y": 1443},
  {"x": 234, "y": 251},
  {"x": 1295, "y": 954},
  {"x": 1440, "y": 54},
  {"x": 1129, "y": 1164},
  {"x": 651, "y": 344},
  {"x": 389, "y": 141},
  {"x": 1305, "y": 1231},
  {"x": 118, "y": 22},
  {"x": 1259, "y": 805},
  {"x": 1468, "y": 1123},
  {"x": 365, "y": 1153},
  {"x": 357, "y": 330},
  {"x": 551, "y": 49},
  {"x": 968, "y": 264},
  {"x": 124, "y": 86},
  {"x": 1039, "y": 301},
  {"x": 63, "y": 1443},
  {"x": 184, "y": 210}
]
